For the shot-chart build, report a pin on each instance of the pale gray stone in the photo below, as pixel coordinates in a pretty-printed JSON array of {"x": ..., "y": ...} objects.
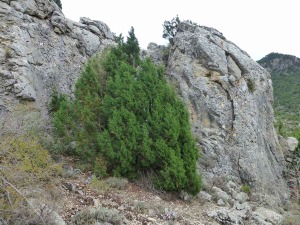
[
  {"x": 232, "y": 188},
  {"x": 41, "y": 51},
  {"x": 220, "y": 193},
  {"x": 221, "y": 202},
  {"x": 227, "y": 216},
  {"x": 204, "y": 195},
  {"x": 56, "y": 219},
  {"x": 238, "y": 214},
  {"x": 241, "y": 197},
  {"x": 158, "y": 53},
  {"x": 184, "y": 195},
  {"x": 234, "y": 121},
  {"x": 267, "y": 215},
  {"x": 292, "y": 143}
]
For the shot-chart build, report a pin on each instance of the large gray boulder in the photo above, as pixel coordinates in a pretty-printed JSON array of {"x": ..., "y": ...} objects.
[
  {"x": 292, "y": 143},
  {"x": 229, "y": 97},
  {"x": 40, "y": 50}
]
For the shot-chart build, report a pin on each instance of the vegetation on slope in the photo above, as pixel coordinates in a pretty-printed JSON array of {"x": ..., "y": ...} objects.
[
  {"x": 126, "y": 120},
  {"x": 285, "y": 74},
  {"x": 26, "y": 168}
]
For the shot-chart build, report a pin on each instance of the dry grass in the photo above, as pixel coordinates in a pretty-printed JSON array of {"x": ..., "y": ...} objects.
[
  {"x": 26, "y": 171},
  {"x": 109, "y": 184}
]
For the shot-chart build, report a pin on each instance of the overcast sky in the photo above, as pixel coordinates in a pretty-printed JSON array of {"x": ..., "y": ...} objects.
[{"x": 257, "y": 26}]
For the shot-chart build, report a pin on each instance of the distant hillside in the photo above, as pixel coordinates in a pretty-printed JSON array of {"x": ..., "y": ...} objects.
[
  {"x": 280, "y": 63},
  {"x": 285, "y": 73}
]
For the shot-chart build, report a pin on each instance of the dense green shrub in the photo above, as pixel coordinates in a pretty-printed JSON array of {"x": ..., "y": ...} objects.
[
  {"x": 246, "y": 189},
  {"x": 56, "y": 100},
  {"x": 78, "y": 122},
  {"x": 126, "y": 113}
]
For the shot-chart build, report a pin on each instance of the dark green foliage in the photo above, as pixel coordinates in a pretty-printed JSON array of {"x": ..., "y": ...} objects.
[
  {"x": 268, "y": 58},
  {"x": 280, "y": 63},
  {"x": 170, "y": 29},
  {"x": 126, "y": 121},
  {"x": 132, "y": 49},
  {"x": 285, "y": 74},
  {"x": 58, "y": 3},
  {"x": 148, "y": 127},
  {"x": 79, "y": 120},
  {"x": 246, "y": 189},
  {"x": 56, "y": 100},
  {"x": 119, "y": 39},
  {"x": 287, "y": 100},
  {"x": 286, "y": 91}
]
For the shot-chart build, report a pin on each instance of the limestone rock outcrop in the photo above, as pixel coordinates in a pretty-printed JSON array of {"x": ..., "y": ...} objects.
[
  {"x": 41, "y": 50},
  {"x": 229, "y": 97}
]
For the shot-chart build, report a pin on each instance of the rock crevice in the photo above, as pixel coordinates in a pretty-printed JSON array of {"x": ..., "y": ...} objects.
[
  {"x": 40, "y": 51},
  {"x": 233, "y": 122}
]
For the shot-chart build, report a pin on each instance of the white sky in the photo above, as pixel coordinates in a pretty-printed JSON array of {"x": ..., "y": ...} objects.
[{"x": 257, "y": 26}]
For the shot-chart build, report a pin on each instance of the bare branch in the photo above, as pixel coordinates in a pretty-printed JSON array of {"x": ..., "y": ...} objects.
[
  {"x": 6, "y": 182},
  {"x": 8, "y": 197},
  {"x": 3, "y": 221}
]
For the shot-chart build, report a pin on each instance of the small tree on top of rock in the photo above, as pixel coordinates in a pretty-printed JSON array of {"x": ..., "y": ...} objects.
[{"x": 170, "y": 29}]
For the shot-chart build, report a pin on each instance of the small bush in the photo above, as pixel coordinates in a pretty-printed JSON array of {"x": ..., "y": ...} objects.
[
  {"x": 117, "y": 183},
  {"x": 91, "y": 216},
  {"x": 250, "y": 85},
  {"x": 23, "y": 158},
  {"x": 108, "y": 184},
  {"x": 99, "y": 186},
  {"x": 25, "y": 170},
  {"x": 140, "y": 206},
  {"x": 166, "y": 54},
  {"x": 56, "y": 101},
  {"x": 170, "y": 29},
  {"x": 100, "y": 167},
  {"x": 246, "y": 189},
  {"x": 291, "y": 220}
]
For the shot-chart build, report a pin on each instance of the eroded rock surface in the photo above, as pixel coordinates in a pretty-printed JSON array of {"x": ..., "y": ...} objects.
[
  {"x": 229, "y": 97},
  {"x": 41, "y": 50}
]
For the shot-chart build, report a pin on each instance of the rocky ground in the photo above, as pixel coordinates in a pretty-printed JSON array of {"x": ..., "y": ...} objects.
[
  {"x": 127, "y": 202},
  {"x": 86, "y": 200}
]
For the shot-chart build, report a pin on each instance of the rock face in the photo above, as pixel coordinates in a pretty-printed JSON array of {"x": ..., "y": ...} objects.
[
  {"x": 229, "y": 97},
  {"x": 40, "y": 50}
]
